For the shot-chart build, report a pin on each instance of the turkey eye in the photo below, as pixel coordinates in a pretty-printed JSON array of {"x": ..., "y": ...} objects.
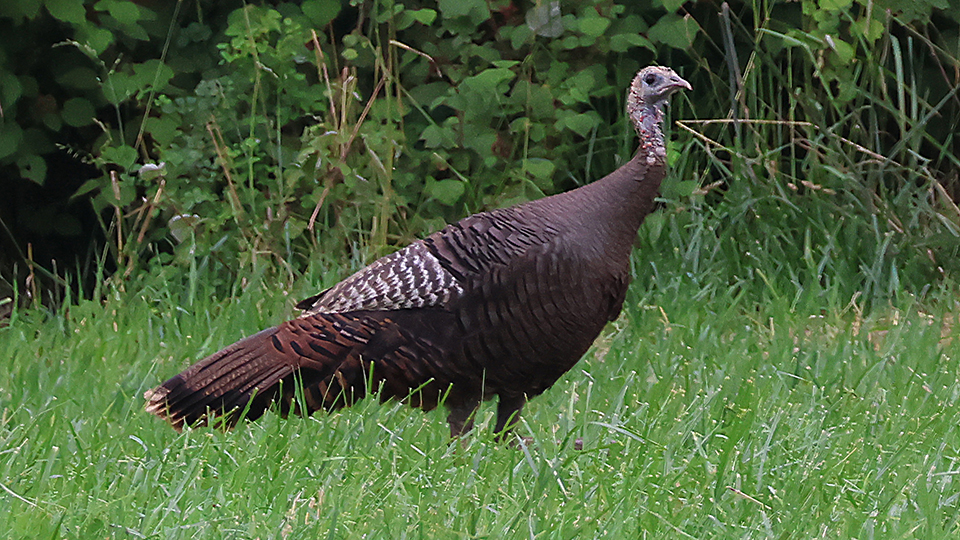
[{"x": 650, "y": 79}]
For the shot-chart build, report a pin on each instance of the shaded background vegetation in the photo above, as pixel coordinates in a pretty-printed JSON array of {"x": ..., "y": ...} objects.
[{"x": 818, "y": 147}]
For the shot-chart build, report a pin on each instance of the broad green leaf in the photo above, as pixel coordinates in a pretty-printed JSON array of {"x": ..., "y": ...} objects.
[
  {"x": 835, "y": 5},
  {"x": 869, "y": 28},
  {"x": 622, "y": 42},
  {"x": 427, "y": 94},
  {"x": 631, "y": 24},
  {"x": 462, "y": 8},
  {"x": 844, "y": 50},
  {"x": 479, "y": 138},
  {"x": 19, "y": 10},
  {"x": 487, "y": 54},
  {"x": 10, "y": 137},
  {"x": 581, "y": 123},
  {"x": 128, "y": 191},
  {"x": 685, "y": 188},
  {"x": 675, "y": 31},
  {"x": 79, "y": 77},
  {"x": 446, "y": 191},
  {"x": 181, "y": 225},
  {"x": 86, "y": 187},
  {"x": 539, "y": 167},
  {"x": 424, "y": 16},
  {"x": 587, "y": 41},
  {"x": 152, "y": 74},
  {"x": 437, "y": 137},
  {"x": 33, "y": 167},
  {"x": 97, "y": 39},
  {"x": 122, "y": 156},
  {"x": 653, "y": 226},
  {"x": 151, "y": 171},
  {"x": 118, "y": 87},
  {"x": 583, "y": 80},
  {"x": 136, "y": 32},
  {"x": 488, "y": 80},
  {"x": 162, "y": 128},
  {"x": 52, "y": 120},
  {"x": 847, "y": 91},
  {"x": 125, "y": 12},
  {"x": 69, "y": 11},
  {"x": 541, "y": 101},
  {"x": 594, "y": 26},
  {"x": 520, "y": 125},
  {"x": 77, "y": 112},
  {"x": 321, "y": 12},
  {"x": 10, "y": 89},
  {"x": 537, "y": 132},
  {"x": 519, "y": 36}
]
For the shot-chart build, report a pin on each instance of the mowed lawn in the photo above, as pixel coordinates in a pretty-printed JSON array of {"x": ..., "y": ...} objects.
[{"x": 698, "y": 417}]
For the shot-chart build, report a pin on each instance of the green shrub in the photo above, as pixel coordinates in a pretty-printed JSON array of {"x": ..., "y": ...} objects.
[{"x": 292, "y": 134}]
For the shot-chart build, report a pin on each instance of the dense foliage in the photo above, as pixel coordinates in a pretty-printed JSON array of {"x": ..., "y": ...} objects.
[{"x": 347, "y": 128}]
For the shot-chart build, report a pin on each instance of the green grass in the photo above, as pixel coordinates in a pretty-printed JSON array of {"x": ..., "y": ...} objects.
[{"x": 701, "y": 416}]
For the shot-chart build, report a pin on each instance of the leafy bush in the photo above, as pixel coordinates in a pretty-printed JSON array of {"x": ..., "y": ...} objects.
[{"x": 292, "y": 133}]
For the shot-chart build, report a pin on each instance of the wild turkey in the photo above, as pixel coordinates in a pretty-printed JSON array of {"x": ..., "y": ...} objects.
[{"x": 500, "y": 304}]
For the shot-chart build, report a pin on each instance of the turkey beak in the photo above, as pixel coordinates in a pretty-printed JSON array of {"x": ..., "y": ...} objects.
[{"x": 676, "y": 83}]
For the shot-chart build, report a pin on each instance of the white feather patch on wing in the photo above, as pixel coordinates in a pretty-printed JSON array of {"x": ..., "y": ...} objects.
[{"x": 409, "y": 278}]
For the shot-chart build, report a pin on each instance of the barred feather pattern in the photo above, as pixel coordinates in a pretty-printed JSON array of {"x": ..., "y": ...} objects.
[{"x": 410, "y": 278}]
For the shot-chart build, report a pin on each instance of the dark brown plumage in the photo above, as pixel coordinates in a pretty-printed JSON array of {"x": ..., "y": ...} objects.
[{"x": 500, "y": 304}]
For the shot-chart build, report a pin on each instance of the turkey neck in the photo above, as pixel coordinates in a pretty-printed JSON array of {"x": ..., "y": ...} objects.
[{"x": 609, "y": 211}]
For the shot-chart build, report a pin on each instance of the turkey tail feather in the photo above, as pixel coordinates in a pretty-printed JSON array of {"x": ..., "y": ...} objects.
[
  {"x": 322, "y": 361},
  {"x": 227, "y": 382},
  {"x": 245, "y": 378}
]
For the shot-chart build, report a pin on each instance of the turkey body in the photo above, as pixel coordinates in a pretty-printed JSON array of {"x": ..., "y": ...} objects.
[{"x": 500, "y": 304}]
